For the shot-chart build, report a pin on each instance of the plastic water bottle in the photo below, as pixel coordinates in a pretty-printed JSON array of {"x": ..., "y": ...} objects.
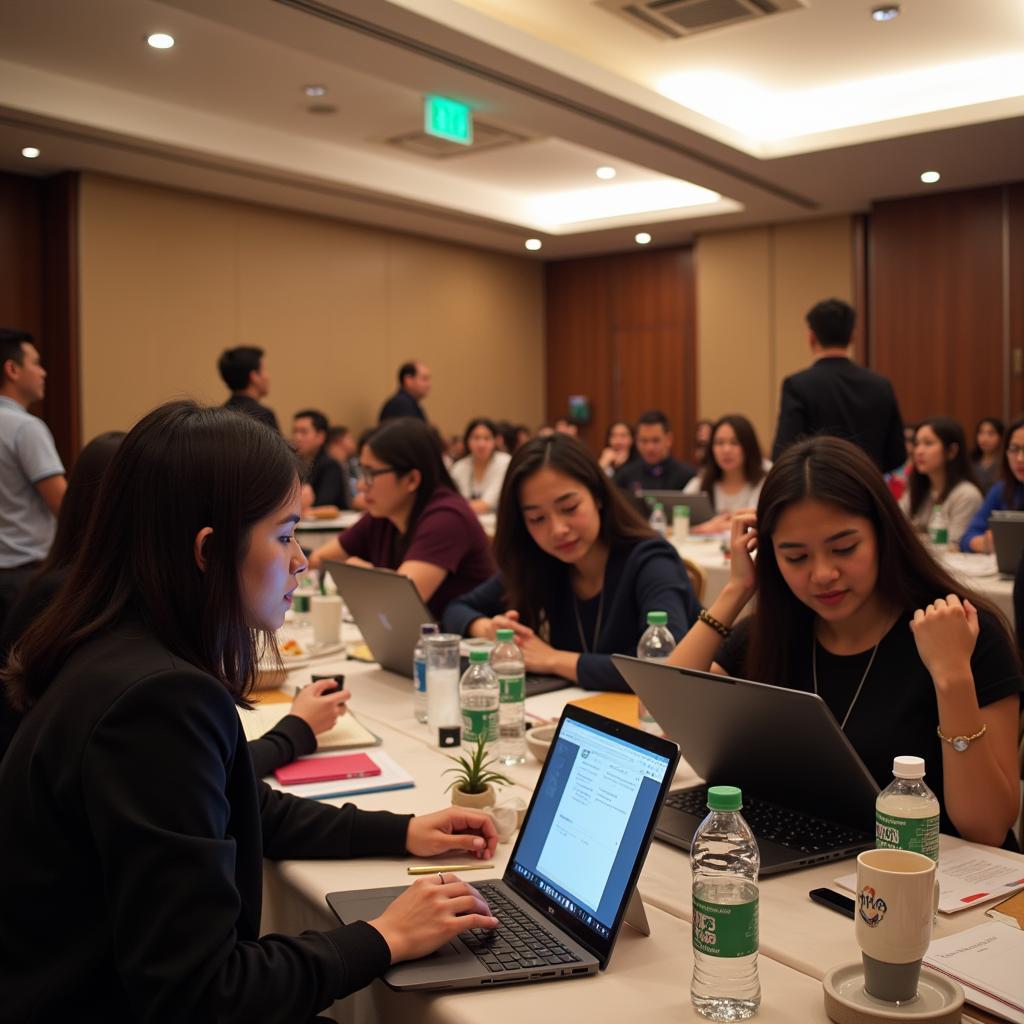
[
  {"x": 656, "y": 644},
  {"x": 659, "y": 524},
  {"x": 725, "y": 862},
  {"x": 681, "y": 522},
  {"x": 509, "y": 667},
  {"x": 938, "y": 527},
  {"x": 907, "y": 811},
  {"x": 419, "y": 674},
  {"x": 479, "y": 700}
]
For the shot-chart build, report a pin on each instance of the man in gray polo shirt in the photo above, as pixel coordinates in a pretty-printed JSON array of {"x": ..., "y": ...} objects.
[{"x": 32, "y": 480}]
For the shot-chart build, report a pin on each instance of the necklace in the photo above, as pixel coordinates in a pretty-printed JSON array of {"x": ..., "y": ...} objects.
[
  {"x": 863, "y": 678},
  {"x": 579, "y": 621}
]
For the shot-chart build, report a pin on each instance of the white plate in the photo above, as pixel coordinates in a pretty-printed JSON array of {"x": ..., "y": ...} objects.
[{"x": 313, "y": 652}]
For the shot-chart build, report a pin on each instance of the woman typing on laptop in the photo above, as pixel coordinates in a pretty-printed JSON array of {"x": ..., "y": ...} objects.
[
  {"x": 851, "y": 606},
  {"x": 133, "y": 826}
]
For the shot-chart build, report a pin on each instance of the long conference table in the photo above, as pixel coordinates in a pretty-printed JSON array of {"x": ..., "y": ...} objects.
[{"x": 800, "y": 941}]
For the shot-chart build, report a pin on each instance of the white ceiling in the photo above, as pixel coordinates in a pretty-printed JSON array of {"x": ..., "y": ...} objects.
[{"x": 224, "y": 111}]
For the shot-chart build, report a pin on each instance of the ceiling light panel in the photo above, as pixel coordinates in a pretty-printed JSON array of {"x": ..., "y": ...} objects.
[{"x": 160, "y": 41}]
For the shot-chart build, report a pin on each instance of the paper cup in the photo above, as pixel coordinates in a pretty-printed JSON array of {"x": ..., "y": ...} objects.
[{"x": 325, "y": 614}]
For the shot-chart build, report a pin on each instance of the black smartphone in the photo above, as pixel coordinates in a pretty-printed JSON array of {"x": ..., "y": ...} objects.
[{"x": 834, "y": 901}]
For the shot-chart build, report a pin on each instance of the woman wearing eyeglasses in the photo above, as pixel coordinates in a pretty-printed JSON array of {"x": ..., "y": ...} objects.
[
  {"x": 416, "y": 523},
  {"x": 1007, "y": 493}
]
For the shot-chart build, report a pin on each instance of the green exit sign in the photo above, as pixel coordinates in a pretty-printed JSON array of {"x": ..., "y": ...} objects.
[{"x": 448, "y": 119}]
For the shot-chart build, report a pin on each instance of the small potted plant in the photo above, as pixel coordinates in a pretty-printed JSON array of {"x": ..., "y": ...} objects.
[{"x": 473, "y": 785}]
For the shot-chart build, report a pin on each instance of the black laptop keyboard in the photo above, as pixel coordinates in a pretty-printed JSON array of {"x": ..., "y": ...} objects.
[
  {"x": 788, "y": 828},
  {"x": 519, "y": 943}
]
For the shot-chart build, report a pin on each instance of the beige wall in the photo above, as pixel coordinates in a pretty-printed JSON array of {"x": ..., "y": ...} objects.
[
  {"x": 753, "y": 288},
  {"x": 169, "y": 279}
]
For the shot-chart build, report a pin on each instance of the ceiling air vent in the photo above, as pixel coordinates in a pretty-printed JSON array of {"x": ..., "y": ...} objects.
[
  {"x": 485, "y": 136},
  {"x": 677, "y": 19}
]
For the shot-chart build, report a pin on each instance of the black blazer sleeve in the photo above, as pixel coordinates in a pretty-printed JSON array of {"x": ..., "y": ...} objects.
[
  {"x": 482, "y": 602},
  {"x": 792, "y": 418},
  {"x": 895, "y": 448},
  {"x": 329, "y": 486},
  {"x": 289, "y": 739}
]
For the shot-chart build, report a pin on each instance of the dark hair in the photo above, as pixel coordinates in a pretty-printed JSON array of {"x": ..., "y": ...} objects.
[
  {"x": 997, "y": 425},
  {"x": 479, "y": 421},
  {"x": 612, "y": 426},
  {"x": 832, "y": 322},
  {"x": 236, "y": 364},
  {"x": 180, "y": 469},
  {"x": 838, "y": 473},
  {"x": 406, "y": 370},
  {"x": 958, "y": 468},
  {"x": 533, "y": 578},
  {"x": 406, "y": 444},
  {"x": 653, "y": 417},
  {"x": 335, "y": 434},
  {"x": 80, "y": 499},
  {"x": 753, "y": 468},
  {"x": 317, "y": 418},
  {"x": 1011, "y": 485},
  {"x": 11, "y": 341},
  {"x": 507, "y": 434}
]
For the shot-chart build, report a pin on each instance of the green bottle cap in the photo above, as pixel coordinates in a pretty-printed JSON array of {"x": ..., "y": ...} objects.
[
  {"x": 506, "y": 636},
  {"x": 657, "y": 618},
  {"x": 724, "y": 798},
  {"x": 476, "y": 655},
  {"x": 681, "y": 511}
]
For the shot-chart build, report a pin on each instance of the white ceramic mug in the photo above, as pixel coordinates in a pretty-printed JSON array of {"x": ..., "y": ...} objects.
[
  {"x": 897, "y": 894},
  {"x": 325, "y": 614}
]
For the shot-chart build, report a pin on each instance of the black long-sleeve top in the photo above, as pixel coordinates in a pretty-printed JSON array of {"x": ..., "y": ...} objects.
[{"x": 134, "y": 833}]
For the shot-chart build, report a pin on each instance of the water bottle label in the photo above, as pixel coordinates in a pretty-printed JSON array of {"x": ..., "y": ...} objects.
[
  {"x": 478, "y": 722},
  {"x": 421, "y": 677},
  {"x": 725, "y": 929},
  {"x": 918, "y": 834},
  {"x": 300, "y": 603},
  {"x": 513, "y": 689},
  {"x": 939, "y": 535}
]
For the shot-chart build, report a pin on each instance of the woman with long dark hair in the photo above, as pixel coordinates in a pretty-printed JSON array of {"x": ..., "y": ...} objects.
[
  {"x": 1006, "y": 493},
  {"x": 941, "y": 475},
  {"x": 579, "y": 569},
  {"x": 479, "y": 473},
  {"x": 129, "y": 774},
  {"x": 987, "y": 453},
  {"x": 416, "y": 521},
  {"x": 731, "y": 473},
  {"x": 618, "y": 447},
  {"x": 852, "y": 606}
]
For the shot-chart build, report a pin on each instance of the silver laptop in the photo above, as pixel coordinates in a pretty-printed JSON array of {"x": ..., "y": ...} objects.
[
  {"x": 807, "y": 795},
  {"x": 701, "y": 509},
  {"x": 570, "y": 882},
  {"x": 1008, "y": 540}
]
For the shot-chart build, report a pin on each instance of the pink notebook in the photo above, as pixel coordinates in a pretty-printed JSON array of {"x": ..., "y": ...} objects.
[{"x": 327, "y": 769}]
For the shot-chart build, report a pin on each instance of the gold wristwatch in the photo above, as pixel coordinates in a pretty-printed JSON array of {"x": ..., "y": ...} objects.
[{"x": 960, "y": 743}]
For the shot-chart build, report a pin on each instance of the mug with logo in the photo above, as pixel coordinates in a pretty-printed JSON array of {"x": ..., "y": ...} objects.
[{"x": 897, "y": 894}]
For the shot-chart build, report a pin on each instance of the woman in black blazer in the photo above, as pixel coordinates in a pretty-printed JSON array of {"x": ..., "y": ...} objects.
[{"x": 133, "y": 826}]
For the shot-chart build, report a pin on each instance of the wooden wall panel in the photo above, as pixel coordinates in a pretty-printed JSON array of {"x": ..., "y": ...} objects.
[
  {"x": 21, "y": 236},
  {"x": 1014, "y": 278}
]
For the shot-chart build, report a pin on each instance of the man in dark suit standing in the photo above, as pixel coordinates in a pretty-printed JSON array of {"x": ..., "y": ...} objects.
[
  {"x": 413, "y": 386},
  {"x": 835, "y": 396}
]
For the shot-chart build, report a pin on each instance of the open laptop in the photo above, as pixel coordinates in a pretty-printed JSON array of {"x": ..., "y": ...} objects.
[
  {"x": 1008, "y": 540},
  {"x": 699, "y": 505},
  {"x": 807, "y": 796},
  {"x": 570, "y": 881},
  {"x": 389, "y": 611}
]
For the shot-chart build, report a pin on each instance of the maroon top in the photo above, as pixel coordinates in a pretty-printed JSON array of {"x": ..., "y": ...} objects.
[{"x": 447, "y": 534}]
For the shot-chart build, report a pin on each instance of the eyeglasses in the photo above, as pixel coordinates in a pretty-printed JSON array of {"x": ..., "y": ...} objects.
[
  {"x": 368, "y": 474},
  {"x": 1014, "y": 450}
]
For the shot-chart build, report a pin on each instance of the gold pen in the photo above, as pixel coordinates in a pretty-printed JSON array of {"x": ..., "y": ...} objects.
[{"x": 435, "y": 869}]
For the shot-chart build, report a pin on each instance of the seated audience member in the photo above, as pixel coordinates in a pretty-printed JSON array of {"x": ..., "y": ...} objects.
[
  {"x": 480, "y": 474},
  {"x": 852, "y": 606},
  {"x": 655, "y": 469},
  {"x": 416, "y": 521},
  {"x": 545, "y": 430},
  {"x": 579, "y": 569},
  {"x": 413, "y": 386},
  {"x": 701, "y": 440},
  {"x": 341, "y": 446},
  {"x": 941, "y": 475},
  {"x": 732, "y": 473},
  {"x": 243, "y": 371},
  {"x": 505, "y": 436},
  {"x": 1006, "y": 493},
  {"x": 564, "y": 426},
  {"x": 130, "y": 761},
  {"x": 896, "y": 480},
  {"x": 618, "y": 448},
  {"x": 987, "y": 454},
  {"x": 324, "y": 479},
  {"x": 522, "y": 435}
]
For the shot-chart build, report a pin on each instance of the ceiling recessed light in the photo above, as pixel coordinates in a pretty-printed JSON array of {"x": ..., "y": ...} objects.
[
  {"x": 886, "y": 12},
  {"x": 30, "y": 152},
  {"x": 930, "y": 177},
  {"x": 641, "y": 238},
  {"x": 606, "y": 173},
  {"x": 533, "y": 244},
  {"x": 315, "y": 90},
  {"x": 160, "y": 41}
]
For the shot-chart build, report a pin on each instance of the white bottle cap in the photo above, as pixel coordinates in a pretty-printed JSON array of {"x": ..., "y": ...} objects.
[{"x": 907, "y": 767}]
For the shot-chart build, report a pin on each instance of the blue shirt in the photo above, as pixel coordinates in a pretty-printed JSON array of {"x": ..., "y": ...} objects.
[{"x": 994, "y": 502}]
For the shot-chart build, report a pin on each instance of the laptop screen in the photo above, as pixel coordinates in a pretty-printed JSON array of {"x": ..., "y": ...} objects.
[{"x": 589, "y": 821}]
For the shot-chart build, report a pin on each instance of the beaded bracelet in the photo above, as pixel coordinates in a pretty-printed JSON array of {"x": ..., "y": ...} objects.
[{"x": 709, "y": 620}]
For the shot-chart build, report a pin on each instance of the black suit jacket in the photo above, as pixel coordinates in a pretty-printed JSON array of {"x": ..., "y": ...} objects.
[
  {"x": 837, "y": 397},
  {"x": 401, "y": 403},
  {"x": 134, "y": 834}
]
